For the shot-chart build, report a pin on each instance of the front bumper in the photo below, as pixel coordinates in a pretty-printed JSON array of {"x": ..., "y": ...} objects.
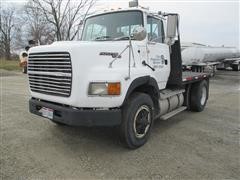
[{"x": 77, "y": 117}]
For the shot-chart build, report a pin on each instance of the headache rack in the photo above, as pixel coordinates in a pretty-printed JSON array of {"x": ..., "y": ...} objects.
[{"x": 50, "y": 73}]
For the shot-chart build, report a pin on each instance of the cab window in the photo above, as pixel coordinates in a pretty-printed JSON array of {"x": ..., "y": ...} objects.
[
  {"x": 155, "y": 30},
  {"x": 95, "y": 30},
  {"x": 126, "y": 30}
]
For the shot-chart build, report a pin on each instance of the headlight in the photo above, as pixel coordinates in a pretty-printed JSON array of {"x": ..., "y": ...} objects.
[{"x": 104, "y": 88}]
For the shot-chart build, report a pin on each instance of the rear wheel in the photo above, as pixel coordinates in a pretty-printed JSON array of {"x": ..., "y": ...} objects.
[
  {"x": 198, "y": 96},
  {"x": 137, "y": 120}
]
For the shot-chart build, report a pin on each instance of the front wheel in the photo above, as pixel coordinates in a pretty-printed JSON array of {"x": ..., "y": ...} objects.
[
  {"x": 58, "y": 123},
  {"x": 137, "y": 120}
]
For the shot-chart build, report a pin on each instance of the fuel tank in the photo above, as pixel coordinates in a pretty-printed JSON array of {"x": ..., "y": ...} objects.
[{"x": 170, "y": 103}]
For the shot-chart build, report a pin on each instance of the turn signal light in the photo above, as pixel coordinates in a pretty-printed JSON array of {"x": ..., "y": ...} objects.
[{"x": 114, "y": 88}]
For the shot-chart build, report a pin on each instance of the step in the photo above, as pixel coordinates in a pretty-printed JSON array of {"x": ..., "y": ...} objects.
[{"x": 173, "y": 113}]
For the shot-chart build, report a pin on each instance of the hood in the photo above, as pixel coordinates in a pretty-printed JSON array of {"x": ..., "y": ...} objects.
[{"x": 91, "y": 53}]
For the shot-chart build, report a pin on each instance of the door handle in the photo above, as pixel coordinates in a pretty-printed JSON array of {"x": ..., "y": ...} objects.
[{"x": 166, "y": 61}]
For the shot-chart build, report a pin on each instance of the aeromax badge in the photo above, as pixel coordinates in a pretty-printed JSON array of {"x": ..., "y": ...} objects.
[{"x": 113, "y": 54}]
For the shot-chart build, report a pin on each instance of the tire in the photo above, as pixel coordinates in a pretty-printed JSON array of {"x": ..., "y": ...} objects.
[
  {"x": 58, "y": 123},
  {"x": 213, "y": 71},
  {"x": 236, "y": 67},
  {"x": 199, "y": 96},
  {"x": 134, "y": 129}
]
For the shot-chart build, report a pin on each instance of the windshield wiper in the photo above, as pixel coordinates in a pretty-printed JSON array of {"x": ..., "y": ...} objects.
[
  {"x": 105, "y": 38},
  {"x": 102, "y": 38},
  {"x": 123, "y": 38}
]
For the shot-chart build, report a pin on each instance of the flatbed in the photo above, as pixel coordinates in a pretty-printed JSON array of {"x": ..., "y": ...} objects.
[{"x": 190, "y": 77}]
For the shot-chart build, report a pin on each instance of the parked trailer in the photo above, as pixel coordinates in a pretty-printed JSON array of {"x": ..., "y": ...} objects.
[{"x": 201, "y": 57}]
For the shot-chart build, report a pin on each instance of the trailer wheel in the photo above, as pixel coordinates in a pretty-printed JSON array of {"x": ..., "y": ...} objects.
[
  {"x": 236, "y": 67},
  {"x": 213, "y": 71},
  {"x": 137, "y": 120},
  {"x": 198, "y": 96}
]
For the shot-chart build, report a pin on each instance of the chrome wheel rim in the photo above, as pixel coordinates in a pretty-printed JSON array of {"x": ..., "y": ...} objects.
[
  {"x": 204, "y": 95},
  {"x": 142, "y": 121}
]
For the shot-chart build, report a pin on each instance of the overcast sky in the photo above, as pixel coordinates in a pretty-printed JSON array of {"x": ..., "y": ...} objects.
[
  {"x": 210, "y": 22},
  {"x": 213, "y": 22}
]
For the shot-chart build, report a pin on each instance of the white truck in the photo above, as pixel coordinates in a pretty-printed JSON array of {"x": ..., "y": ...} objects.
[{"x": 126, "y": 71}]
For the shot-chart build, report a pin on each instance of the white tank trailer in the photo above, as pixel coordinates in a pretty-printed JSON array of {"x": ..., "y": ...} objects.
[{"x": 200, "y": 56}]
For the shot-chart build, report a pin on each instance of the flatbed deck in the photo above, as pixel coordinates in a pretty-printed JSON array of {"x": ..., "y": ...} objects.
[{"x": 189, "y": 76}]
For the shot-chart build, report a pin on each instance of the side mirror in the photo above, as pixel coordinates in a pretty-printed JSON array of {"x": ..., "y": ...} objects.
[
  {"x": 139, "y": 33},
  {"x": 172, "y": 23}
]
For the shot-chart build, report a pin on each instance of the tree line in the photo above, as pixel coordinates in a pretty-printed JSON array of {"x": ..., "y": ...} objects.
[{"x": 44, "y": 21}]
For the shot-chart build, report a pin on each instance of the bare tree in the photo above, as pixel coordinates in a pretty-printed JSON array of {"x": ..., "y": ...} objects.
[
  {"x": 7, "y": 20},
  {"x": 37, "y": 27},
  {"x": 64, "y": 15}
]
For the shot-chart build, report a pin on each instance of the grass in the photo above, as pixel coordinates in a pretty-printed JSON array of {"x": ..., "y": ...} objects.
[{"x": 11, "y": 65}]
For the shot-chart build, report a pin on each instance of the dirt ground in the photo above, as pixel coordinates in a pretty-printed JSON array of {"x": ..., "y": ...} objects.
[{"x": 188, "y": 146}]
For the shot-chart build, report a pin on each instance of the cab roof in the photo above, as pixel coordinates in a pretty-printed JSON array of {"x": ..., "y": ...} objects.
[{"x": 142, "y": 9}]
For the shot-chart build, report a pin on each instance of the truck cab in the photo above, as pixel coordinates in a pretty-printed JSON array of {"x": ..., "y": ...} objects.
[{"x": 126, "y": 71}]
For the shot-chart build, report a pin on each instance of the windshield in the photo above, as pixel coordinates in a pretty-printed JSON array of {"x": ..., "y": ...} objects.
[{"x": 111, "y": 26}]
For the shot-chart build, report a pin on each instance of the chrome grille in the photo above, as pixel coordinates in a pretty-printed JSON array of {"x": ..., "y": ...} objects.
[{"x": 50, "y": 73}]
